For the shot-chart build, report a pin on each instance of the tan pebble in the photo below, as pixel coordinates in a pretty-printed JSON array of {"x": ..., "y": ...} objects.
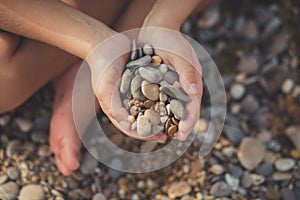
[
  {"x": 201, "y": 126},
  {"x": 143, "y": 126},
  {"x": 218, "y": 146},
  {"x": 295, "y": 154},
  {"x": 163, "y": 119},
  {"x": 156, "y": 59},
  {"x": 177, "y": 84},
  {"x": 148, "y": 103},
  {"x": 172, "y": 130},
  {"x": 163, "y": 83},
  {"x": 156, "y": 107},
  {"x": 137, "y": 103},
  {"x": 163, "y": 97},
  {"x": 133, "y": 126},
  {"x": 131, "y": 118},
  {"x": 134, "y": 110},
  {"x": 168, "y": 124},
  {"x": 150, "y": 90},
  {"x": 162, "y": 110},
  {"x": 153, "y": 116}
]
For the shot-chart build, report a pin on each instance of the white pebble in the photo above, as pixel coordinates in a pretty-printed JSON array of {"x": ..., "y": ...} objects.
[
  {"x": 287, "y": 85},
  {"x": 163, "y": 68},
  {"x": 237, "y": 90}
]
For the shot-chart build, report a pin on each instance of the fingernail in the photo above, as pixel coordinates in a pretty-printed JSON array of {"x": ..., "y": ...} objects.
[
  {"x": 124, "y": 125},
  {"x": 193, "y": 88}
]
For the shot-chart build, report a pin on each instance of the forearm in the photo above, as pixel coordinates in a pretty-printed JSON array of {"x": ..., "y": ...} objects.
[
  {"x": 170, "y": 13},
  {"x": 53, "y": 22}
]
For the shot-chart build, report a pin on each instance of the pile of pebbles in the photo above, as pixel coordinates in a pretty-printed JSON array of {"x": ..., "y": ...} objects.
[{"x": 152, "y": 94}]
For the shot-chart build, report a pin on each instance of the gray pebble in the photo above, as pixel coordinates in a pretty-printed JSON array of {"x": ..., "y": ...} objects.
[
  {"x": 174, "y": 92},
  {"x": 163, "y": 68},
  {"x": 134, "y": 52},
  {"x": 151, "y": 74},
  {"x": 134, "y": 110},
  {"x": 235, "y": 170},
  {"x": 44, "y": 151},
  {"x": 220, "y": 189},
  {"x": 32, "y": 192},
  {"x": 140, "y": 52},
  {"x": 143, "y": 126},
  {"x": 126, "y": 80},
  {"x": 177, "y": 108},
  {"x": 234, "y": 134},
  {"x": 232, "y": 181},
  {"x": 288, "y": 194},
  {"x": 13, "y": 173},
  {"x": 153, "y": 116},
  {"x": 12, "y": 148},
  {"x": 266, "y": 169},
  {"x": 39, "y": 137},
  {"x": 171, "y": 77},
  {"x": 9, "y": 191},
  {"x": 157, "y": 129},
  {"x": 145, "y": 60},
  {"x": 237, "y": 90},
  {"x": 148, "y": 50},
  {"x": 284, "y": 164}
]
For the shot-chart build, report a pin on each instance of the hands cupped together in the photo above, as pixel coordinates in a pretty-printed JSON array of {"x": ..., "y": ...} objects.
[{"x": 107, "y": 62}]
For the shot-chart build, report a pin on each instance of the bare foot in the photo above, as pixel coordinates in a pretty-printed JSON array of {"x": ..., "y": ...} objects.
[{"x": 64, "y": 140}]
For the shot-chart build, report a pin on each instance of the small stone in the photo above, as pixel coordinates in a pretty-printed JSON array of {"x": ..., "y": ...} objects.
[
  {"x": 134, "y": 111},
  {"x": 179, "y": 189},
  {"x": 4, "y": 120},
  {"x": 148, "y": 50},
  {"x": 150, "y": 90},
  {"x": 126, "y": 80},
  {"x": 250, "y": 104},
  {"x": 284, "y": 164},
  {"x": 248, "y": 64},
  {"x": 131, "y": 118},
  {"x": 274, "y": 145},
  {"x": 163, "y": 97},
  {"x": 288, "y": 194},
  {"x": 266, "y": 169},
  {"x": 153, "y": 116},
  {"x": 44, "y": 151},
  {"x": 293, "y": 133},
  {"x": 178, "y": 109},
  {"x": 32, "y": 192},
  {"x": 134, "y": 52},
  {"x": 287, "y": 85},
  {"x": 220, "y": 189},
  {"x": 257, "y": 179},
  {"x": 151, "y": 74},
  {"x": 235, "y": 170},
  {"x": 99, "y": 196},
  {"x": 9, "y": 191},
  {"x": 174, "y": 92},
  {"x": 140, "y": 52},
  {"x": 3, "y": 179},
  {"x": 251, "y": 153},
  {"x": 136, "y": 84},
  {"x": 133, "y": 126},
  {"x": 148, "y": 103},
  {"x": 201, "y": 126},
  {"x": 246, "y": 180},
  {"x": 24, "y": 125},
  {"x": 13, "y": 173},
  {"x": 88, "y": 164},
  {"x": 264, "y": 136},
  {"x": 281, "y": 176},
  {"x": 295, "y": 154},
  {"x": 163, "y": 68},
  {"x": 156, "y": 59},
  {"x": 177, "y": 84},
  {"x": 272, "y": 194},
  {"x": 143, "y": 126},
  {"x": 157, "y": 129},
  {"x": 39, "y": 137},
  {"x": 171, "y": 77},
  {"x": 234, "y": 134},
  {"x": 13, "y": 147},
  {"x": 163, "y": 119},
  {"x": 172, "y": 130},
  {"x": 216, "y": 169},
  {"x": 232, "y": 181},
  {"x": 145, "y": 60},
  {"x": 237, "y": 91}
]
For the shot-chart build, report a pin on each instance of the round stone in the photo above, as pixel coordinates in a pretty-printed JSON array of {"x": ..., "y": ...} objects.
[
  {"x": 177, "y": 108},
  {"x": 179, "y": 189},
  {"x": 250, "y": 153},
  {"x": 284, "y": 164},
  {"x": 174, "y": 92},
  {"x": 32, "y": 192},
  {"x": 134, "y": 110},
  {"x": 153, "y": 116},
  {"x": 216, "y": 169},
  {"x": 13, "y": 173},
  {"x": 143, "y": 126},
  {"x": 163, "y": 68},
  {"x": 24, "y": 125},
  {"x": 237, "y": 90},
  {"x": 287, "y": 85},
  {"x": 151, "y": 74},
  {"x": 220, "y": 189},
  {"x": 150, "y": 90},
  {"x": 44, "y": 151},
  {"x": 9, "y": 191},
  {"x": 171, "y": 77},
  {"x": 156, "y": 59},
  {"x": 99, "y": 196},
  {"x": 148, "y": 103},
  {"x": 148, "y": 50},
  {"x": 172, "y": 130},
  {"x": 163, "y": 97},
  {"x": 126, "y": 80}
]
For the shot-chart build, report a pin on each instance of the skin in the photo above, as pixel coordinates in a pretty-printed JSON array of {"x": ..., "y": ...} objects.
[{"x": 81, "y": 33}]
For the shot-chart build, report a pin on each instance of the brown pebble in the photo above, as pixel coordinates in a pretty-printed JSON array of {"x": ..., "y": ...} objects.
[
  {"x": 177, "y": 84},
  {"x": 137, "y": 103},
  {"x": 168, "y": 124},
  {"x": 156, "y": 59},
  {"x": 131, "y": 118},
  {"x": 148, "y": 103},
  {"x": 163, "y": 97},
  {"x": 172, "y": 130}
]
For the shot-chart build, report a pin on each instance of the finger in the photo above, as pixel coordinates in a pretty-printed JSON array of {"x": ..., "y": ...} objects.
[
  {"x": 62, "y": 168},
  {"x": 186, "y": 126}
]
